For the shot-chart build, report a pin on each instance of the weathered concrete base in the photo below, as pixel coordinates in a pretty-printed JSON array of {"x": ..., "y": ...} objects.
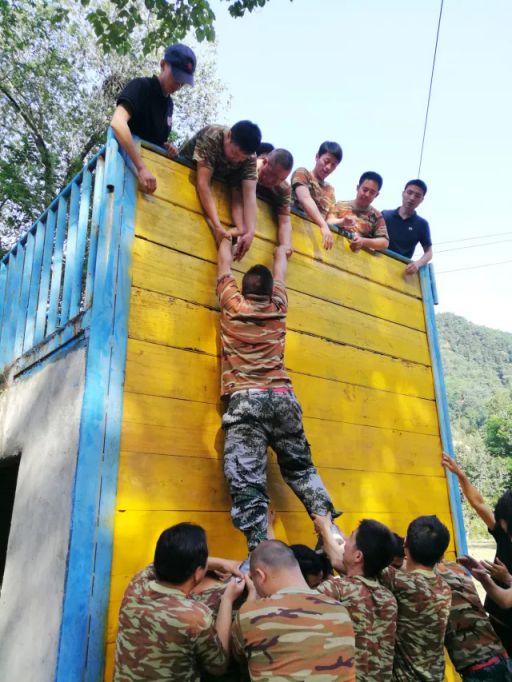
[{"x": 39, "y": 418}]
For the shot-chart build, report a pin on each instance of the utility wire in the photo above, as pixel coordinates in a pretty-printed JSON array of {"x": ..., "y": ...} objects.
[
  {"x": 474, "y": 267},
  {"x": 468, "y": 239},
  {"x": 430, "y": 88},
  {"x": 474, "y": 246}
]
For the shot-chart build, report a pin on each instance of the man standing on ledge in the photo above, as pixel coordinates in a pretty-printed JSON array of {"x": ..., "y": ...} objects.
[
  {"x": 145, "y": 108},
  {"x": 406, "y": 228},
  {"x": 262, "y": 410}
]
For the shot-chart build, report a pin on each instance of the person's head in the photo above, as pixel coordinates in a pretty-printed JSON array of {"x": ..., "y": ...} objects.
[
  {"x": 413, "y": 194},
  {"x": 264, "y": 149},
  {"x": 368, "y": 188},
  {"x": 369, "y": 549},
  {"x": 328, "y": 157},
  {"x": 273, "y": 566},
  {"x": 314, "y": 567},
  {"x": 427, "y": 540},
  {"x": 257, "y": 281},
  {"x": 181, "y": 553},
  {"x": 503, "y": 512},
  {"x": 242, "y": 141},
  {"x": 274, "y": 168},
  {"x": 398, "y": 551},
  {"x": 177, "y": 68}
]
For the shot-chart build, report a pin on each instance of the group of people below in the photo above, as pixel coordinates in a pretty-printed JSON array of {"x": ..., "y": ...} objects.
[
  {"x": 372, "y": 622},
  {"x": 251, "y": 167}
]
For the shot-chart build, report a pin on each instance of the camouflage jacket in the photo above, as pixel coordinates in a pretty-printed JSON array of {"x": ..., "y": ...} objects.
[
  {"x": 207, "y": 147},
  {"x": 296, "y": 634},
  {"x": 470, "y": 638},
  {"x": 321, "y": 192},
  {"x": 279, "y": 197},
  {"x": 164, "y": 635},
  {"x": 373, "y": 611},
  {"x": 424, "y": 601}
]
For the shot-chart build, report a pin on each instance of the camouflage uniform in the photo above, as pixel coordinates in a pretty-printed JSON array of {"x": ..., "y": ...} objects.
[
  {"x": 369, "y": 221},
  {"x": 262, "y": 410},
  {"x": 373, "y": 611},
  {"x": 207, "y": 147},
  {"x": 164, "y": 635},
  {"x": 296, "y": 634},
  {"x": 470, "y": 638},
  {"x": 321, "y": 192},
  {"x": 279, "y": 197},
  {"x": 424, "y": 601}
]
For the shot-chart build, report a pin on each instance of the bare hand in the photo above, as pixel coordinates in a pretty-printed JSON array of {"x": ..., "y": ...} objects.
[
  {"x": 469, "y": 562},
  {"x": 498, "y": 571},
  {"x": 234, "y": 589},
  {"x": 322, "y": 524},
  {"x": 147, "y": 181},
  {"x": 356, "y": 243},
  {"x": 327, "y": 238},
  {"x": 411, "y": 269},
  {"x": 171, "y": 150},
  {"x": 252, "y": 595},
  {"x": 284, "y": 248},
  {"x": 481, "y": 575},
  {"x": 225, "y": 568},
  {"x": 243, "y": 244},
  {"x": 349, "y": 223},
  {"x": 450, "y": 464}
]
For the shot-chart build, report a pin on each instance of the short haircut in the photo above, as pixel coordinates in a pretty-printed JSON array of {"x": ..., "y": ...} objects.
[
  {"x": 179, "y": 551},
  {"x": 310, "y": 562},
  {"x": 503, "y": 510},
  {"x": 281, "y": 157},
  {"x": 331, "y": 148},
  {"x": 417, "y": 183},
  {"x": 376, "y": 542},
  {"x": 274, "y": 554},
  {"x": 258, "y": 280},
  {"x": 247, "y": 136},
  {"x": 371, "y": 175},
  {"x": 427, "y": 540},
  {"x": 264, "y": 148},
  {"x": 398, "y": 546}
]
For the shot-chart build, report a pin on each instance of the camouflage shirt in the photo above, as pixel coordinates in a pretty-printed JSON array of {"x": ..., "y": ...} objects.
[
  {"x": 369, "y": 221},
  {"x": 252, "y": 334},
  {"x": 424, "y": 601},
  {"x": 207, "y": 147},
  {"x": 279, "y": 197},
  {"x": 164, "y": 635},
  {"x": 296, "y": 634},
  {"x": 469, "y": 638},
  {"x": 321, "y": 192},
  {"x": 373, "y": 610}
]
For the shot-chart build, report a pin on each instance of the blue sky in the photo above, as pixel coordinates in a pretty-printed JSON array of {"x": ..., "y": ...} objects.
[{"x": 358, "y": 72}]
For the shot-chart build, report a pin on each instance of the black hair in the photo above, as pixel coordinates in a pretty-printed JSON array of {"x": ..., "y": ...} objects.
[
  {"x": 376, "y": 542},
  {"x": 373, "y": 176},
  {"x": 258, "y": 280},
  {"x": 281, "y": 157},
  {"x": 310, "y": 562},
  {"x": 264, "y": 149},
  {"x": 247, "y": 136},
  {"x": 503, "y": 510},
  {"x": 417, "y": 183},
  {"x": 274, "y": 554},
  {"x": 398, "y": 546},
  {"x": 427, "y": 540},
  {"x": 179, "y": 551},
  {"x": 331, "y": 148}
]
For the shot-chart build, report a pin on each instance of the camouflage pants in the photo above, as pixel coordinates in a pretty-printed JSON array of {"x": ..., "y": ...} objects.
[
  {"x": 253, "y": 421},
  {"x": 498, "y": 672}
]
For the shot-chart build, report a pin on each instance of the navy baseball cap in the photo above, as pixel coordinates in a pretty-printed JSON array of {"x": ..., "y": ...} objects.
[{"x": 183, "y": 62}]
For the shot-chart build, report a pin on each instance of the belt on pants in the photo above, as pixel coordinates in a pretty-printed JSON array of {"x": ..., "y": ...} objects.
[{"x": 485, "y": 664}]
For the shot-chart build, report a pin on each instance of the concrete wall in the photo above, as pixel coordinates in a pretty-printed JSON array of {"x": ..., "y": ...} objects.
[{"x": 39, "y": 417}]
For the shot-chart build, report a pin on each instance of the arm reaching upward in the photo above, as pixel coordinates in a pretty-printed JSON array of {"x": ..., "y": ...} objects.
[
  {"x": 472, "y": 495},
  {"x": 204, "y": 191},
  {"x": 224, "y": 257},
  {"x": 281, "y": 255}
]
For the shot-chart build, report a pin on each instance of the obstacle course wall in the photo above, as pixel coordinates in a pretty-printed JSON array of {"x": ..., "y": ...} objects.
[{"x": 358, "y": 354}]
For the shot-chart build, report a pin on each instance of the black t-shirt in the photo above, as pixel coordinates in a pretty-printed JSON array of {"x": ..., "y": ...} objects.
[
  {"x": 504, "y": 554},
  {"x": 405, "y": 234},
  {"x": 150, "y": 110}
]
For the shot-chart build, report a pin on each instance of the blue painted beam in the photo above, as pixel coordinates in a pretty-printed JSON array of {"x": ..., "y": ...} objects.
[
  {"x": 34, "y": 288},
  {"x": 81, "y": 238},
  {"x": 57, "y": 266},
  {"x": 21, "y": 311},
  {"x": 15, "y": 270},
  {"x": 93, "y": 232},
  {"x": 42, "y": 302},
  {"x": 71, "y": 243},
  {"x": 3, "y": 284}
]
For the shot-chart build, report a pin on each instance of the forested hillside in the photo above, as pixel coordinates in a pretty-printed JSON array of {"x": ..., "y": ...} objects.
[{"x": 478, "y": 374}]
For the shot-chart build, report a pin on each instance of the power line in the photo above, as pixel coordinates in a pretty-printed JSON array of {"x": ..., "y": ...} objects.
[
  {"x": 474, "y": 267},
  {"x": 473, "y": 246},
  {"x": 468, "y": 239},
  {"x": 430, "y": 88}
]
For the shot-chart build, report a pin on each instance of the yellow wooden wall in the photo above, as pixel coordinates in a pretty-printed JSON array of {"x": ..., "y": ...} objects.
[{"x": 358, "y": 355}]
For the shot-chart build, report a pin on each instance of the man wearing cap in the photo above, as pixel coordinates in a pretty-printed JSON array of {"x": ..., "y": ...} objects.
[{"x": 145, "y": 108}]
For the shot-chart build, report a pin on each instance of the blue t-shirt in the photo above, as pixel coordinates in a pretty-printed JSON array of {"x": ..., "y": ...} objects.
[{"x": 405, "y": 234}]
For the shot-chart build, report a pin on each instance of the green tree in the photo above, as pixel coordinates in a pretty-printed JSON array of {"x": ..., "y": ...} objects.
[{"x": 498, "y": 428}]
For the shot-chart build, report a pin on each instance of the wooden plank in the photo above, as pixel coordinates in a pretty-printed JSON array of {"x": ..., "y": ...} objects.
[
  {"x": 3, "y": 285},
  {"x": 57, "y": 265},
  {"x": 71, "y": 247},
  {"x": 195, "y": 376},
  {"x": 158, "y": 318},
  {"x": 176, "y": 185},
  {"x": 171, "y": 273},
  {"x": 21, "y": 307},
  {"x": 93, "y": 233},
  {"x": 35, "y": 281},
  {"x": 42, "y": 304},
  {"x": 14, "y": 274},
  {"x": 153, "y": 424},
  {"x": 81, "y": 238}
]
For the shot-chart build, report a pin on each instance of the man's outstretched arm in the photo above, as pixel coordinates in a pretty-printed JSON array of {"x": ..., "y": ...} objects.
[
  {"x": 281, "y": 255},
  {"x": 313, "y": 212},
  {"x": 417, "y": 264},
  {"x": 204, "y": 191},
  {"x": 119, "y": 125},
  {"x": 472, "y": 494},
  {"x": 224, "y": 257}
]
